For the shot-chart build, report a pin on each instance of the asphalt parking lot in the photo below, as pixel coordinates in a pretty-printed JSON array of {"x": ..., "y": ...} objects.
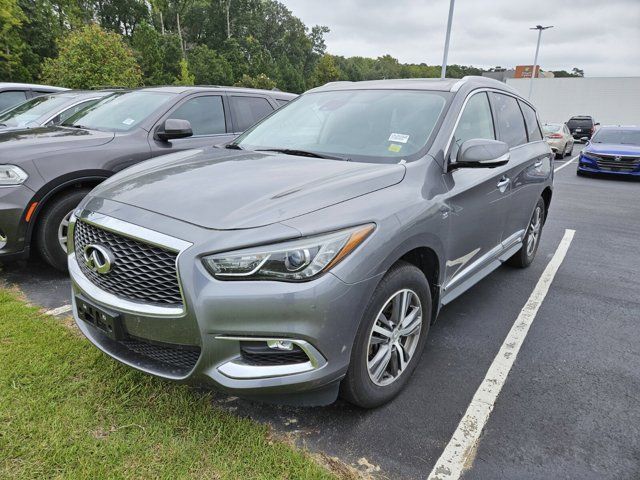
[{"x": 570, "y": 407}]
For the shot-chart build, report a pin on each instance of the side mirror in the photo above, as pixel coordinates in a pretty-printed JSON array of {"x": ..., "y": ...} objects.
[
  {"x": 597, "y": 123},
  {"x": 174, "y": 128},
  {"x": 584, "y": 139},
  {"x": 482, "y": 153}
]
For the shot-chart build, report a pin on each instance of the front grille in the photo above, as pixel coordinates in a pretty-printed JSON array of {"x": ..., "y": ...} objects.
[
  {"x": 182, "y": 358},
  {"x": 141, "y": 272},
  {"x": 258, "y": 353},
  {"x": 623, "y": 164}
]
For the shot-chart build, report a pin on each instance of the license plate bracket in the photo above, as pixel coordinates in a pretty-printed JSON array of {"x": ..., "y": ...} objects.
[{"x": 105, "y": 320}]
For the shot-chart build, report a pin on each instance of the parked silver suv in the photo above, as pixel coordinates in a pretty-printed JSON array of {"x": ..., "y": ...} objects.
[{"x": 311, "y": 255}]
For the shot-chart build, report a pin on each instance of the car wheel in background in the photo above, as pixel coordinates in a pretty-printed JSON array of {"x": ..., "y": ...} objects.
[
  {"x": 527, "y": 252},
  {"x": 52, "y": 227},
  {"x": 390, "y": 338},
  {"x": 568, "y": 149}
]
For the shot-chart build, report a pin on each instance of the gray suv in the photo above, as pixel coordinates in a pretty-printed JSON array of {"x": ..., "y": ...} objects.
[
  {"x": 45, "y": 172},
  {"x": 311, "y": 255}
]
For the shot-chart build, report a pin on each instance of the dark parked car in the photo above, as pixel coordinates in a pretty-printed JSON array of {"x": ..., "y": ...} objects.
[
  {"x": 313, "y": 253},
  {"x": 582, "y": 127},
  {"x": 49, "y": 109},
  {"x": 612, "y": 151},
  {"x": 13, "y": 93},
  {"x": 45, "y": 172}
]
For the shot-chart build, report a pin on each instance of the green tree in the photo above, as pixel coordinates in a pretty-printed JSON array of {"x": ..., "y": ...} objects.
[
  {"x": 259, "y": 81},
  {"x": 326, "y": 71},
  {"x": 91, "y": 57},
  {"x": 209, "y": 68},
  {"x": 185, "y": 77},
  {"x": 11, "y": 45}
]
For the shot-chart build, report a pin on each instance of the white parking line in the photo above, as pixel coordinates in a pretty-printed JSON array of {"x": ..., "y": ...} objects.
[
  {"x": 457, "y": 455},
  {"x": 59, "y": 310},
  {"x": 565, "y": 163}
]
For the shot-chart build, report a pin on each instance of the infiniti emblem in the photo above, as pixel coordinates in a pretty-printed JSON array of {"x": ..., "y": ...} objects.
[{"x": 98, "y": 259}]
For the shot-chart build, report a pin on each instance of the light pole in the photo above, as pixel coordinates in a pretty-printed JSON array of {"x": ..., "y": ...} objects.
[
  {"x": 540, "y": 28},
  {"x": 443, "y": 72}
]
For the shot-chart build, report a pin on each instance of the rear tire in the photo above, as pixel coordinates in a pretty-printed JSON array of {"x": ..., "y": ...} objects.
[
  {"x": 51, "y": 227},
  {"x": 370, "y": 383},
  {"x": 526, "y": 254}
]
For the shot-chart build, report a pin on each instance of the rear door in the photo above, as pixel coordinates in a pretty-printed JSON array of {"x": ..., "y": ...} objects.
[
  {"x": 247, "y": 109},
  {"x": 529, "y": 163},
  {"x": 477, "y": 204},
  {"x": 207, "y": 114}
]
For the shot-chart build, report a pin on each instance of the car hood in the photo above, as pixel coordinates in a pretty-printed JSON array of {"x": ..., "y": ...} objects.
[
  {"x": 613, "y": 149},
  {"x": 34, "y": 141},
  {"x": 224, "y": 190}
]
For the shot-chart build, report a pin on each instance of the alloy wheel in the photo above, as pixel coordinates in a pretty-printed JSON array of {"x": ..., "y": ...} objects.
[
  {"x": 535, "y": 227},
  {"x": 63, "y": 231},
  {"x": 394, "y": 337}
]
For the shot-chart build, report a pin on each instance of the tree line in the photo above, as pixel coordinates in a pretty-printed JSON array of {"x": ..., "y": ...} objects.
[{"x": 254, "y": 43}]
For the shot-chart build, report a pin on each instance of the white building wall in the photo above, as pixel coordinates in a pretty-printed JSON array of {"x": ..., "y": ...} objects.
[{"x": 610, "y": 101}]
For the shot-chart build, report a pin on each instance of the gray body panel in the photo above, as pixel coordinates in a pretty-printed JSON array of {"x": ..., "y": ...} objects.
[{"x": 470, "y": 219}]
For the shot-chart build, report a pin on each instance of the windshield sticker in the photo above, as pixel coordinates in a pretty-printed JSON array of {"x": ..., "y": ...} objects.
[
  {"x": 394, "y": 147},
  {"x": 128, "y": 121},
  {"x": 398, "y": 137}
]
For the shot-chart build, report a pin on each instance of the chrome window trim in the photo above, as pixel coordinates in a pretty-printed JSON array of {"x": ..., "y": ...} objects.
[{"x": 134, "y": 232}]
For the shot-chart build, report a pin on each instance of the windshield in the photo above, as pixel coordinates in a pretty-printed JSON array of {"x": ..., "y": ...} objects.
[
  {"x": 365, "y": 125},
  {"x": 550, "y": 128},
  {"x": 24, "y": 113},
  {"x": 119, "y": 112},
  {"x": 621, "y": 137}
]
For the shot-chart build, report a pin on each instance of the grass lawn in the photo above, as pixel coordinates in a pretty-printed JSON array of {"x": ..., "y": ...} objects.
[{"x": 68, "y": 411}]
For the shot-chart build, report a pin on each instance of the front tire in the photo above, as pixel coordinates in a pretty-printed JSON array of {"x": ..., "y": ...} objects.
[
  {"x": 390, "y": 339},
  {"x": 53, "y": 225},
  {"x": 526, "y": 254}
]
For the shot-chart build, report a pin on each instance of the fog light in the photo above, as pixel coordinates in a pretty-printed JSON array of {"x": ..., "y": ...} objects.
[
  {"x": 280, "y": 344},
  {"x": 3, "y": 239}
]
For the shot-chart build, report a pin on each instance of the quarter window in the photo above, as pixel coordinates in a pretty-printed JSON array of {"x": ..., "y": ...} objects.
[
  {"x": 205, "y": 114},
  {"x": 475, "y": 122},
  {"x": 509, "y": 121},
  {"x": 533, "y": 129},
  {"x": 248, "y": 110}
]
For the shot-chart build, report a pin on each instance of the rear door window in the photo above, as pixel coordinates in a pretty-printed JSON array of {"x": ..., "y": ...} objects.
[
  {"x": 10, "y": 98},
  {"x": 248, "y": 110},
  {"x": 533, "y": 129},
  {"x": 509, "y": 120},
  {"x": 205, "y": 113}
]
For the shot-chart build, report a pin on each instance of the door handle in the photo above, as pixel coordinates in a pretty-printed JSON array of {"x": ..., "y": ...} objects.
[
  {"x": 538, "y": 164},
  {"x": 503, "y": 183}
]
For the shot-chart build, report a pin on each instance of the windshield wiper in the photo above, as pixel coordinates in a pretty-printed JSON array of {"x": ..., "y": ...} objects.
[
  {"x": 303, "y": 153},
  {"x": 233, "y": 146}
]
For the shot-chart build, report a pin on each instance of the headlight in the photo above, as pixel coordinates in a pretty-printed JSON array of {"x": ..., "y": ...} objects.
[
  {"x": 12, "y": 175},
  {"x": 298, "y": 259}
]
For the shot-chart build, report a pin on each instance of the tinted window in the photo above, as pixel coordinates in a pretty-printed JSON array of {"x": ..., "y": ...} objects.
[
  {"x": 475, "y": 122},
  {"x": 10, "y": 98},
  {"x": 206, "y": 114},
  {"x": 62, "y": 116},
  {"x": 248, "y": 110},
  {"x": 533, "y": 130},
  {"x": 362, "y": 125},
  {"x": 509, "y": 120},
  {"x": 580, "y": 123}
]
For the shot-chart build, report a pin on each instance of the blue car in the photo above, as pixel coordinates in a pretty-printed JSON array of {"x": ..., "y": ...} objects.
[{"x": 612, "y": 151}]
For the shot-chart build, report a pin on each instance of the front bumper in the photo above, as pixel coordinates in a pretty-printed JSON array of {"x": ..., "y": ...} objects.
[
  {"x": 320, "y": 317},
  {"x": 588, "y": 165},
  {"x": 13, "y": 203}
]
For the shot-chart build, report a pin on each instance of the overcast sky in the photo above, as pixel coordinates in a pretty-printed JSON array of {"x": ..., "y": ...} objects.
[{"x": 601, "y": 37}]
